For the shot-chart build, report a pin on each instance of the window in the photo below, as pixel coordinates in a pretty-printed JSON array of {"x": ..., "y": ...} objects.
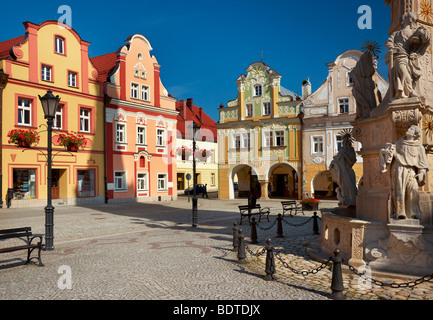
[
  {"x": 84, "y": 120},
  {"x": 46, "y": 73},
  {"x": 145, "y": 93},
  {"x": 317, "y": 145},
  {"x": 134, "y": 90},
  {"x": 120, "y": 133},
  {"x": 160, "y": 137},
  {"x": 24, "y": 112},
  {"x": 237, "y": 141},
  {"x": 162, "y": 182},
  {"x": 120, "y": 180},
  {"x": 249, "y": 110},
  {"x": 86, "y": 183},
  {"x": 141, "y": 135},
  {"x": 279, "y": 138},
  {"x": 58, "y": 119},
  {"x": 212, "y": 179},
  {"x": 339, "y": 142},
  {"x": 268, "y": 139},
  {"x": 266, "y": 108},
  {"x": 24, "y": 181},
  {"x": 59, "y": 45},
  {"x": 142, "y": 184},
  {"x": 258, "y": 90},
  {"x": 344, "y": 105},
  {"x": 246, "y": 140},
  {"x": 72, "y": 79}
]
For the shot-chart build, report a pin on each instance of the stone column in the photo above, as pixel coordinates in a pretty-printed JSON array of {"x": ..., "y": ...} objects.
[{"x": 264, "y": 189}]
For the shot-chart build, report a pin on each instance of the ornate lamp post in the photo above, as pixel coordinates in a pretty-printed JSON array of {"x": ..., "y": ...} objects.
[
  {"x": 50, "y": 104},
  {"x": 194, "y": 175}
]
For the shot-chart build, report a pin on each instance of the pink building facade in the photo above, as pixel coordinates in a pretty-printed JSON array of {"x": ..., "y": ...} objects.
[{"x": 140, "y": 125}]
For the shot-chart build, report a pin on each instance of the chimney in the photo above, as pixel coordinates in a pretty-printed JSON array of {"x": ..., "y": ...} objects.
[
  {"x": 200, "y": 114},
  {"x": 182, "y": 105},
  {"x": 306, "y": 89},
  {"x": 189, "y": 103}
]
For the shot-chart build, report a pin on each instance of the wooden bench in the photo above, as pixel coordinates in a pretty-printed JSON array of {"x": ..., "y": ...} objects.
[
  {"x": 292, "y": 207},
  {"x": 248, "y": 211},
  {"x": 24, "y": 234}
]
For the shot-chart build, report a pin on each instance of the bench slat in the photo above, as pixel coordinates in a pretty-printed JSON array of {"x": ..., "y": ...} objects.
[
  {"x": 11, "y": 249},
  {"x": 14, "y": 235},
  {"x": 15, "y": 230}
]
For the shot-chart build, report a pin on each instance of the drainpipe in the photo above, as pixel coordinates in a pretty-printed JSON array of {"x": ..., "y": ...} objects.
[{"x": 3, "y": 81}]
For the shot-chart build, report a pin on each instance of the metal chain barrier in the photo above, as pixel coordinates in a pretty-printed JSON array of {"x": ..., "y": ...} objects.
[
  {"x": 267, "y": 228},
  {"x": 303, "y": 272},
  {"x": 409, "y": 284},
  {"x": 296, "y": 225},
  {"x": 263, "y": 251}
]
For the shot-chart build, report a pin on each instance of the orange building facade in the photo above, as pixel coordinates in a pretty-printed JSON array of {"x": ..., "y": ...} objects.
[{"x": 140, "y": 125}]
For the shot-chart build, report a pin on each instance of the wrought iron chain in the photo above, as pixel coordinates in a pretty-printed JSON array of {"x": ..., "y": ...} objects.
[
  {"x": 267, "y": 228},
  {"x": 297, "y": 225},
  {"x": 409, "y": 284},
  {"x": 255, "y": 254},
  {"x": 303, "y": 272}
]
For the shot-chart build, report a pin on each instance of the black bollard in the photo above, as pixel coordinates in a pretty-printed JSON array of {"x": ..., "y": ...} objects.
[
  {"x": 337, "y": 286},
  {"x": 235, "y": 236},
  {"x": 253, "y": 231},
  {"x": 241, "y": 249},
  {"x": 270, "y": 261},
  {"x": 315, "y": 224},
  {"x": 279, "y": 227}
]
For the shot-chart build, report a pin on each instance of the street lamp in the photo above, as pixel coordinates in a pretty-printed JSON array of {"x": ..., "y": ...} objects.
[
  {"x": 194, "y": 175},
  {"x": 50, "y": 104}
]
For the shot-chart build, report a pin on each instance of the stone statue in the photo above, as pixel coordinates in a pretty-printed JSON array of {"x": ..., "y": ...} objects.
[
  {"x": 343, "y": 174},
  {"x": 405, "y": 46},
  {"x": 408, "y": 165},
  {"x": 364, "y": 86}
]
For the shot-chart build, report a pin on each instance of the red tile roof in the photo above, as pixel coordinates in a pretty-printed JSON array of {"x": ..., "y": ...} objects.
[
  {"x": 5, "y": 46},
  {"x": 104, "y": 64},
  {"x": 189, "y": 112}
]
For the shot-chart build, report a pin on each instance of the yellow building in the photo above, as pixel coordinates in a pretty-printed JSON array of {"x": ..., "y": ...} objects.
[
  {"x": 51, "y": 57},
  {"x": 259, "y": 138}
]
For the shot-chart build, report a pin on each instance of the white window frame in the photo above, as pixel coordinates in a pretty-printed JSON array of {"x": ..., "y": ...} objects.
[
  {"x": 162, "y": 177},
  {"x": 212, "y": 179},
  {"x": 120, "y": 133},
  {"x": 342, "y": 101},
  {"x": 338, "y": 142},
  {"x": 123, "y": 180},
  {"x": 58, "y": 118},
  {"x": 249, "y": 110},
  {"x": 143, "y": 135},
  {"x": 145, "y": 93},
  {"x": 23, "y": 110},
  {"x": 267, "y": 109},
  {"x": 160, "y": 137},
  {"x": 72, "y": 79},
  {"x": 134, "y": 90},
  {"x": 315, "y": 143},
  {"x": 142, "y": 178},
  {"x": 84, "y": 120},
  {"x": 282, "y": 135},
  {"x": 268, "y": 138},
  {"x": 59, "y": 45},
  {"x": 46, "y": 72},
  {"x": 258, "y": 90}
]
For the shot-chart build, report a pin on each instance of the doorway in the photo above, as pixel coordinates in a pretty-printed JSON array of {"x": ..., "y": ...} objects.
[{"x": 56, "y": 183}]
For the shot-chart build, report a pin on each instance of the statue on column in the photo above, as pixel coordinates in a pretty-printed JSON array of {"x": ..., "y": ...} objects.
[
  {"x": 408, "y": 164},
  {"x": 405, "y": 46},
  {"x": 343, "y": 174}
]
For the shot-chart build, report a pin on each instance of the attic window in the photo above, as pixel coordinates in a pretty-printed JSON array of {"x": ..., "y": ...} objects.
[
  {"x": 140, "y": 56},
  {"x": 258, "y": 90}
]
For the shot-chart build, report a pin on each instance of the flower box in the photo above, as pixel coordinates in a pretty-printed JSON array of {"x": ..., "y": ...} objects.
[
  {"x": 71, "y": 140},
  {"x": 23, "y": 138},
  {"x": 310, "y": 204}
]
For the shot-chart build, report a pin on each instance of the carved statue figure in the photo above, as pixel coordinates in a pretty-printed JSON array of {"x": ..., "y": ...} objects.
[
  {"x": 364, "y": 86},
  {"x": 408, "y": 164},
  {"x": 343, "y": 174},
  {"x": 405, "y": 46}
]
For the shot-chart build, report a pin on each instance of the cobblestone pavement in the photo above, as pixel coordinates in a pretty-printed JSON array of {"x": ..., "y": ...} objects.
[{"x": 141, "y": 251}]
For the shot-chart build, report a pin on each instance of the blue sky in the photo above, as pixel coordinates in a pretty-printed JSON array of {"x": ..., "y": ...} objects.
[{"x": 203, "y": 46}]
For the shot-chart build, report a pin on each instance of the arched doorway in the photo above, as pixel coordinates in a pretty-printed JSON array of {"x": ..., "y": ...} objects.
[
  {"x": 323, "y": 186},
  {"x": 243, "y": 180},
  {"x": 283, "y": 181}
]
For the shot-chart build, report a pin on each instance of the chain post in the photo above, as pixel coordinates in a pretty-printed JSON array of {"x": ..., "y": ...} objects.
[
  {"x": 337, "y": 286},
  {"x": 279, "y": 227},
  {"x": 315, "y": 224},
  {"x": 270, "y": 261},
  {"x": 241, "y": 249},
  {"x": 253, "y": 231},
  {"x": 235, "y": 236}
]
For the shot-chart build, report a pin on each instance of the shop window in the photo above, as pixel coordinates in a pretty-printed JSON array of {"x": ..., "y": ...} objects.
[
  {"x": 24, "y": 184},
  {"x": 85, "y": 183}
]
